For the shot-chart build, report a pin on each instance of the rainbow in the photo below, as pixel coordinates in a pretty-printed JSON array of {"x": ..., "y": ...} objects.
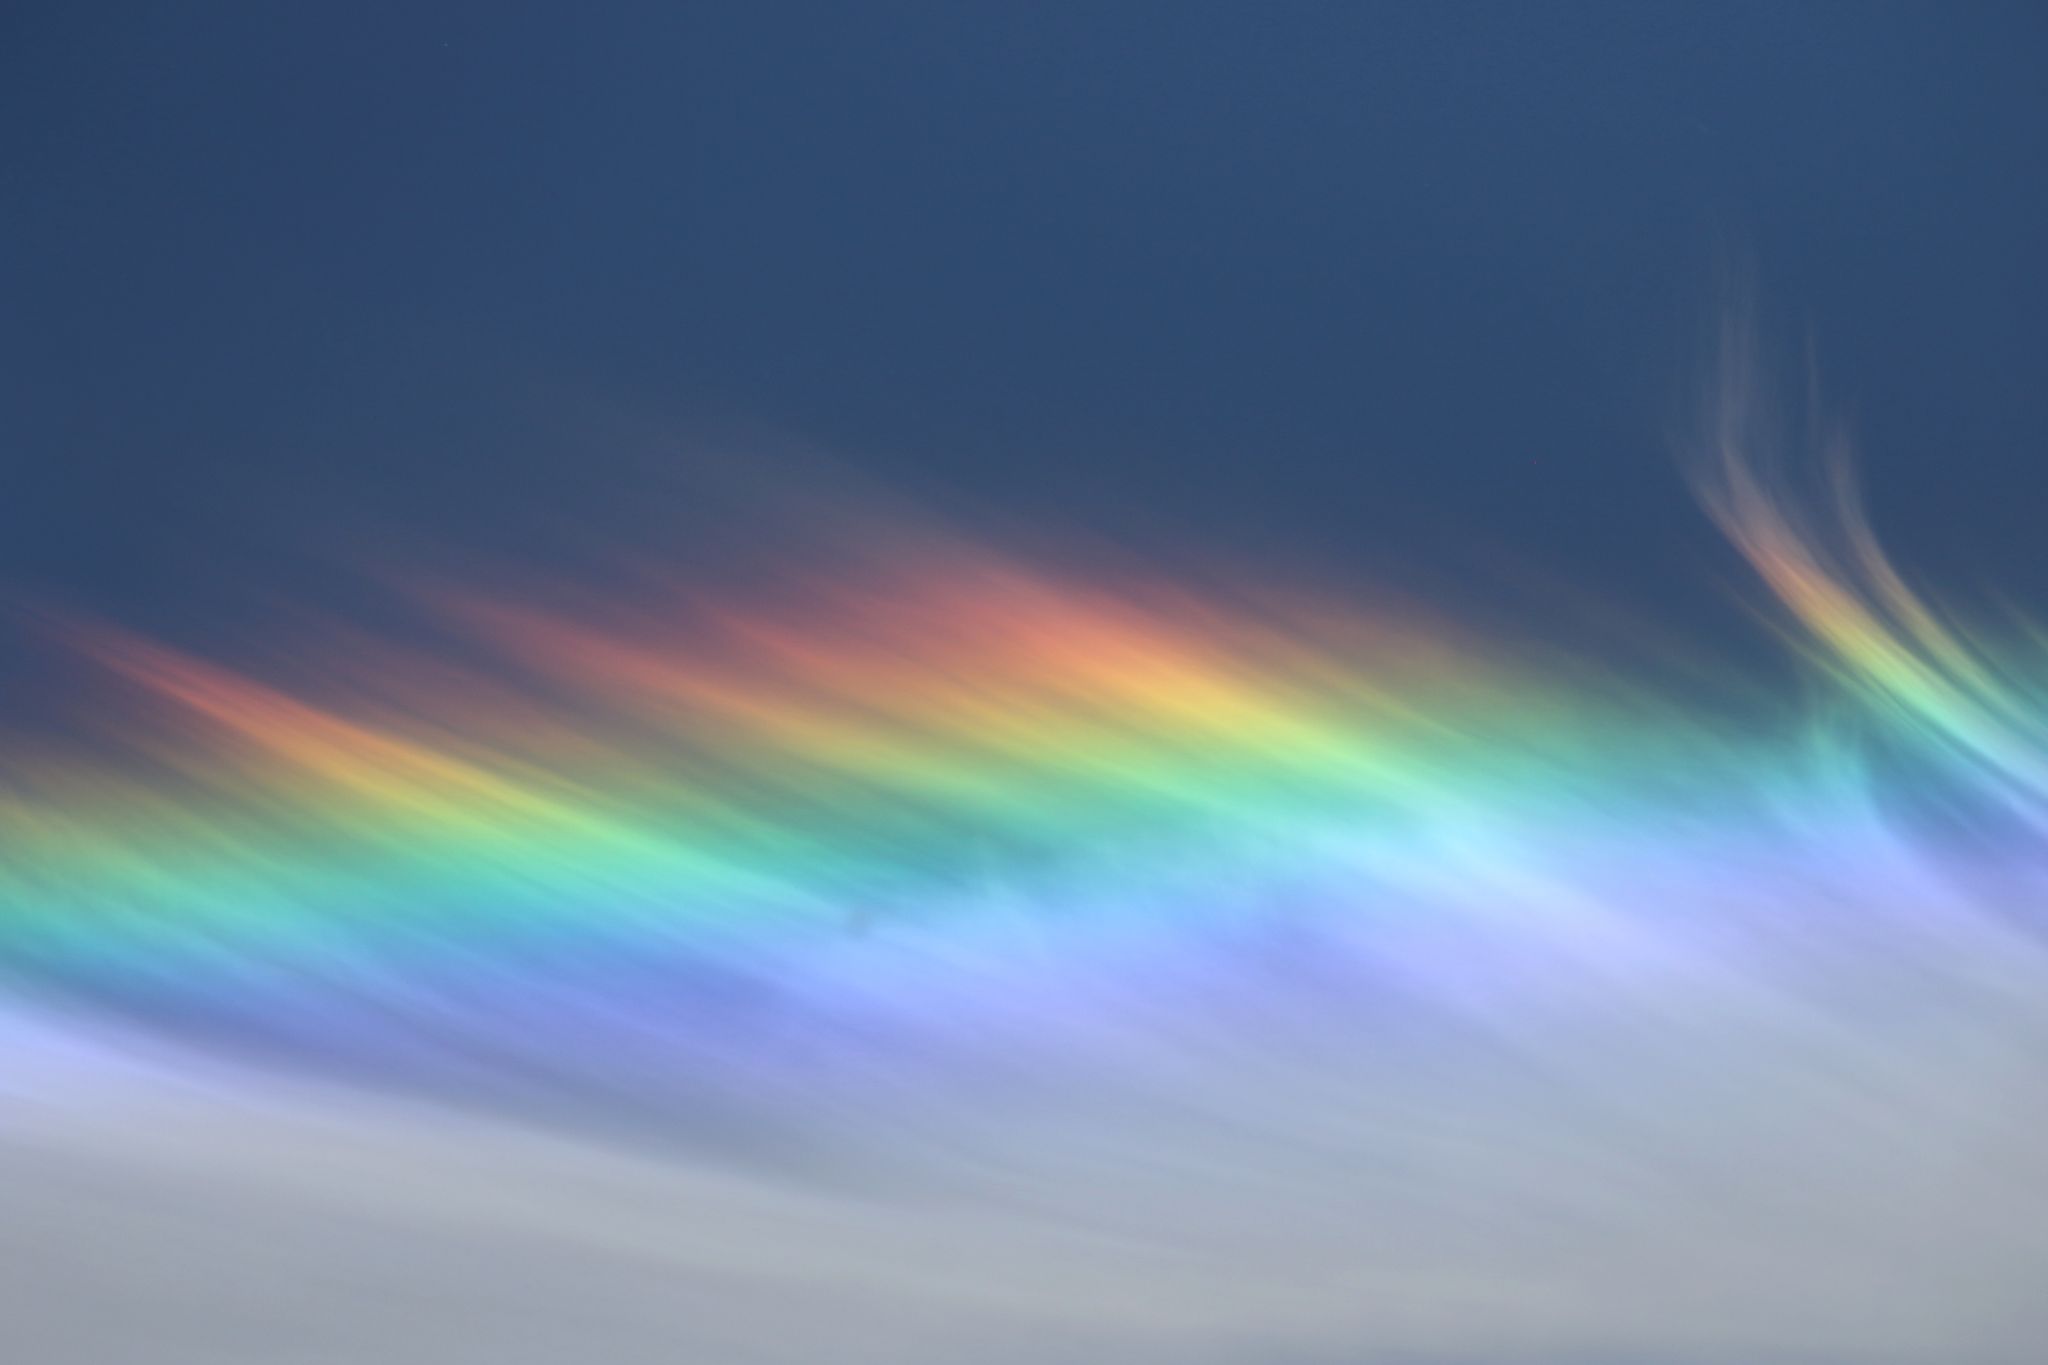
[{"x": 942, "y": 805}]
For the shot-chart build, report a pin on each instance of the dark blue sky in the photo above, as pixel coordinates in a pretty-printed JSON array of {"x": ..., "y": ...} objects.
[{"x": 1352, "y": 284}]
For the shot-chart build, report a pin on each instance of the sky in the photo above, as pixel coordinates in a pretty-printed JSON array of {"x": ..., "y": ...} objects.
[
  {"x": 1378, "y": 289},
  {"x": 767, "y": 682}
]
